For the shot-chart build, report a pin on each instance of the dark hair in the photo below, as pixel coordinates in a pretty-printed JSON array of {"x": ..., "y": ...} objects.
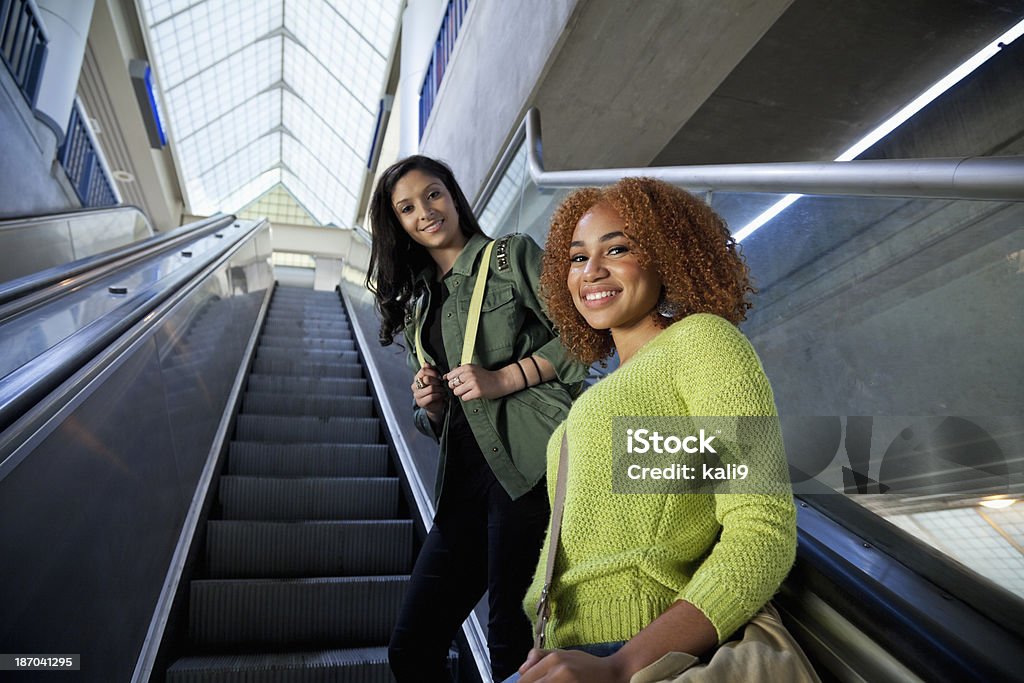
[
  {"x": 680, "y": 237},
  {"x": 395, "y": 258}
]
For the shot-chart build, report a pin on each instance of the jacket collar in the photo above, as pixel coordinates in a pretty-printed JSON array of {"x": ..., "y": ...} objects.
[{"x": 464, "y": 263}]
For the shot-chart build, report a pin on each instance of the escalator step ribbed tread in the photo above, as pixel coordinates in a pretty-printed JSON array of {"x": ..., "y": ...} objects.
[
  {"x": 308, "y": 498},
  {"x": 263, "y": 403},
  {"x": 271, "y": 366},
  {"x": 315, "y": 312},
  {"x": 293, "y": 342},
  {"x": 309, "y": 460},
  {"x": 328, "y": 356},
  {"x": 290, "y": 318},
  {"x": 252, "y": 549},
  {"x": 338, "y": 386},
  {"x": 354, "y": 665},
  {"x": 348, "y": 611},
  {"x": 306, "y": 429}
]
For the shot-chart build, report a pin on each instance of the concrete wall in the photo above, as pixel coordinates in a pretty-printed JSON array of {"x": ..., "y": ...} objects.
[
  {"x": 31, "y": 182},
  {"x": 502, "y": 52},
  {"x": 313, "y": 241}
]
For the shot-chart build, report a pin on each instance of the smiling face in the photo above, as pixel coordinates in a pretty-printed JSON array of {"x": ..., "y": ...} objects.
[
  {"x": 610, "y": 288},
  {"x": 426, "y": 211}
]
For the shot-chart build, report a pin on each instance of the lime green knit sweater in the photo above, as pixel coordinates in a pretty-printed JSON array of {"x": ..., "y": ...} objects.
[{"x": 624, "y": 559}]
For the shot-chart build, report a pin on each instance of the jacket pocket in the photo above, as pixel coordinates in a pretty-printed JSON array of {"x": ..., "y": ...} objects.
[{"x": 498, "y": 323}]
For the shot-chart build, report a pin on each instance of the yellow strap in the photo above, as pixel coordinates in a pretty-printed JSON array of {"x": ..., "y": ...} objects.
[
  {"x": 422, "y": 357},
  {"x": 475, "y": 305}
]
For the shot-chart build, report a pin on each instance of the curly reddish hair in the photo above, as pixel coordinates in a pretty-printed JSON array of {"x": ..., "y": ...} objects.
[{"x": 677, "y": 235}]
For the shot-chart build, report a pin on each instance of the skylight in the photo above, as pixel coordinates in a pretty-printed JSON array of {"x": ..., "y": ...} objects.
[{"x": 265, "y": 92}]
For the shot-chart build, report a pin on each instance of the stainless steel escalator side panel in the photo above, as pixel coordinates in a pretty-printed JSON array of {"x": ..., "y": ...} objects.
[{"x": 94, "y": 508}]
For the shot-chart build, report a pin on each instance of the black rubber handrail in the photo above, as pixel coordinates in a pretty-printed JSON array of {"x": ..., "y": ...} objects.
[
  {"x": 30, "y": 383},
  {"x": 22, "y": 293}
]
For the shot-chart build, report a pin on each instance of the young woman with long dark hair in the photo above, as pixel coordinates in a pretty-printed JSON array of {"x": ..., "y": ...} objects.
[{"x": 491, "y": 415}]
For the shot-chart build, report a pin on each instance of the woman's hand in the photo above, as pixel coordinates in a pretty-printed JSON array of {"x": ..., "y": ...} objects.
[
  {"x": 472, "y": 381},
  {"x": 429, "y": 393},
  {"x": 570, "y": 666}
]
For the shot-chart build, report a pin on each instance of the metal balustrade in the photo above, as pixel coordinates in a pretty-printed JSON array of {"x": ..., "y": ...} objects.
[
  {"x": 80, "y": 157},
  {"x": 446, "y": 37},
  {"x": 23, "y": 45}
]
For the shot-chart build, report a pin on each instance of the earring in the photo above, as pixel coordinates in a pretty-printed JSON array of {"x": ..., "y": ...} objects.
[{"x": 665, "y": 308}]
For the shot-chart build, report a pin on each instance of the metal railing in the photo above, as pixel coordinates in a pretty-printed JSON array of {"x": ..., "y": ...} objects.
[
  {"x": 998, "y": 178},
  {"x": 83, "y": 162},
  {"x": 23, "y": 45},
  {"x": 446, "y": 37}
]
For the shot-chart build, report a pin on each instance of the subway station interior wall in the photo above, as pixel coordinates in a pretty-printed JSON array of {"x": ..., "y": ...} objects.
[
  {"x": 501, "y": 53},
  {"x": 28, "y": 182}
]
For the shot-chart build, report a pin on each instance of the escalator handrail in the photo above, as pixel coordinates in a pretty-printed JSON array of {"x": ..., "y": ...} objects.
[
  {"x": 77, "y": 273},
  {"x": 30, "y": 383}
]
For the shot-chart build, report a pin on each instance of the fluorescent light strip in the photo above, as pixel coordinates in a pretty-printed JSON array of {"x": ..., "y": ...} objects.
[{"x": 896, "y": 120}]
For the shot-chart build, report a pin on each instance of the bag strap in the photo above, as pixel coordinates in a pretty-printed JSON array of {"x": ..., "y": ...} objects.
[
  {"x": 475, "y": 304},
  {"x": 473, "y": 322},
  {"x": 543, "y": 605}
]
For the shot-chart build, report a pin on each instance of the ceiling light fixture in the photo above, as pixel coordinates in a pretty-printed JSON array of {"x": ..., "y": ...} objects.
[
  {"x": 896, "y": 120},
  {"x": 997, "y": 502}
]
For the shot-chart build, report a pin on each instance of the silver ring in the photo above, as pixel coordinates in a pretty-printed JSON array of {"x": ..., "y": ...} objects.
[{"x": 419, "y": 383}]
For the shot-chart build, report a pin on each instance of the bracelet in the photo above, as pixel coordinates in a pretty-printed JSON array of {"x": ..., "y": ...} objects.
[
  {"x": 540, "y": 375},
  {"x": 522, "y": 372}
]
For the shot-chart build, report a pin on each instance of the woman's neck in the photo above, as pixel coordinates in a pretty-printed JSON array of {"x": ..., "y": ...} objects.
[{"x": 628, "y": 341}]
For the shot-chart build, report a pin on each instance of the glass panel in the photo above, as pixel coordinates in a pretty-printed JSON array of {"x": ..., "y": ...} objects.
[
  {"x": 898, "y": 318},
  {"x": 899, "y": 321}
]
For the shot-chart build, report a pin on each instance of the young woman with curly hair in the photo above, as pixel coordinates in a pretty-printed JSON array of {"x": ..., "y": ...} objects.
[
  {"x": 491, "y": 416},
  {"x": 643, "y": 269}
]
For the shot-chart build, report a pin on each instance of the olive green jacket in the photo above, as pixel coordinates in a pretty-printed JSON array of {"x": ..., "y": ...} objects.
[{"x": 513, "y": 430}]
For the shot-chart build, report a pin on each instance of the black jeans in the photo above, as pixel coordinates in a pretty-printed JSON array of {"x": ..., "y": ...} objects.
[{"x": 481, "y": 540}]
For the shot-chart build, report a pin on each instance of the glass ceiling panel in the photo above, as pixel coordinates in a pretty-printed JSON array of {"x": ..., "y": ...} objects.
[
  {"x": 319, "y": 179},
  {"x": 224, "y": 86},
  {"x": 317, "y": 208},
  {"x": 193, "y": 40},
  {"x": 224, "y": 178},
  {"x": 304, "y": 123},
  {"x": 224, "y": 136},
  {"x": 279, "y": 206},
  {"x": 264, "y": 91}
]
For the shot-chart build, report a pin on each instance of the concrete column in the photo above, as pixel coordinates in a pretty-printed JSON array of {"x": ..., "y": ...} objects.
[
  {"x": 67, "y": 25},
  {"x": 420, "y": 24}
]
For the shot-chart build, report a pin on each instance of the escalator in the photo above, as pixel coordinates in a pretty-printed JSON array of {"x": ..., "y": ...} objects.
[
  {"x": 196, "y": 482},
  {"x": 307, "y": 555}
]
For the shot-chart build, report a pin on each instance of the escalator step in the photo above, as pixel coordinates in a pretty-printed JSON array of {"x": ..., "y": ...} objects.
[
  {"x": 339, "y": 320},
  {"x": 357, "y": 665},
  {"x": 277, "y": 404},
  {"x": 309, "y": 310},
  {"x": 308, "y": 498},
  {"x": 308, "y": 355},
  {"x": 247, "y": 549},
  {"x": 308, "y": 385},
  {"x": 302, "y": 429},
  {"x": 269, "y": 366},
  {"x": 348, "y": 611},
  {"x": 292, "y": 342},
  {"x": 307, "y": 460}
]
